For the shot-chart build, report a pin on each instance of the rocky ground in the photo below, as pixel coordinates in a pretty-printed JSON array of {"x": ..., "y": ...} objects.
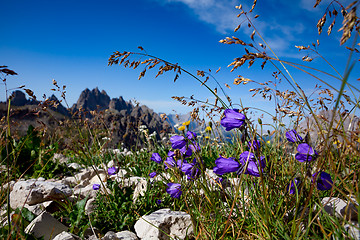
[{"x": 40, "y": 196}]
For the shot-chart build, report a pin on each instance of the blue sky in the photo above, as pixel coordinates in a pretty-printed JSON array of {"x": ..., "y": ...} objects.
[{"x": 71, "y": 41}]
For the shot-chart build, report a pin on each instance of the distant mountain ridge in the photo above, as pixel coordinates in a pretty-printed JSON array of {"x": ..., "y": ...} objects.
[{"x": 122, "y": 118}]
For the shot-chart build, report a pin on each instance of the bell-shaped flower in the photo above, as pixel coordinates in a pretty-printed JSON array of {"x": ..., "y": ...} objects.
[
  {"x": 195, "y": 147},
  {"x": 174, "y": 189},
  {"x": 171, "y": 153},
  {"x": 191, "y": 170},
  {"x": 177, "y": 142},
  {"x": 294, "y": 184},
  {"x": 96, "y": 186},
  {"x": 112, "y": 171},
  {"x": 152, "y": 174},
  {"x": 226, "y": 165},
  {"x": 254, "y": 145},
  {"x": 323, "y": 181},
  {"x": 156, "y": 158},
  {"x": 233, "y": 119},
  {"x": 293, "y": 136},
  {"x": 186, "y": 152},
  {"x": 191, "y": 135},
  {"x": 305, "y": 153},
  {"x": 169, "y": 163},
  {"x": 253, "y": 165}
]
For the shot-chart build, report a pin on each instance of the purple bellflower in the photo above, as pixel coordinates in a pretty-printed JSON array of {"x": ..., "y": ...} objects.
[
  {"x": 252, "y": 163},
  {"x": 96, "y": 186},
  {"x": 293, "y": 136},
  {"x": 323, "y": 181},
  {"x": 169, "y": 162},
  {"x": 171, "y": 153},
  {"x": 174, "y": 189},
  {"x": 191, "y": 135},
  {"x": 156, "y": 158},
  {"x": 195, "y": 147},
  {"x": 226, "y": 165},
  {"x": 255, "y": 144},
  {"x": 294, "y": 184},
  {"x": 177, "y": 142},
  {"x": 233, "y": 119},
  {"x": 219, "y": 180},
  {"x": 112, "y": 171},
  {"x": 152, "y": 174},
  {"x": 305, "y": 153},
  {"x": 180, "y": 162},
  {"x": 191, "y": 170},
  {"x": 187, "y": 152}
]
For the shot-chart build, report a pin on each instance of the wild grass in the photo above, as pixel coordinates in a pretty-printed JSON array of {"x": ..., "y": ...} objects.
[{"x": 271, "y": 193}]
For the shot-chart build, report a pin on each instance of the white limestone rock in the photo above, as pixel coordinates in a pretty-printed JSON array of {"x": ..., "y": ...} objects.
[
  {"x": 83, "y": 191},
  {"x": 75, "y": 166},
  {"x": 36, "y": 209},
  {"x": 60, "y": 158},
  {"x": 66, "y": 236},
  {"x": 98, "y": 179},
  {"x": 121, "y": 173},
  {"x": 164, "y": 223},
  {"x": 110, "y": 236},
  {"x": 340, "y": 208},
  {"x": 123, "y": 235},
  {"x": 6, "y": 185},
  {"x": 353, "y": 230},
  {"x": 36, "y": 191},
  {"x": 126, "y": 235},
  {"x": 87, "y": 173},
  {"x": 110, "y": 164},
  {"x": 45, "y": 226},
  {"x": 71, "y": 181},
  {"x": 90, "y": 206}
]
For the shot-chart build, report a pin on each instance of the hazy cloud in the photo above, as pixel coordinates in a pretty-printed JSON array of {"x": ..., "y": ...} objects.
[
  {"x": 221, "y": 14},
  {"x": 279, "y": 34}
]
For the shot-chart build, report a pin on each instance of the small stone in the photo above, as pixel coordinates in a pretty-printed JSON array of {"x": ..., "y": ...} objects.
[
  {"x": 90, "y": 206},
  {"x": 126, "y": 235},
  {"x": 164, "y": 223},
  {"x": 60, "y": 158},
  {"x": 36, "y": 209},
  {"x": 66, "y": 236},
  {"x": 91, "y": 233},
  {"x": 45, "y": 226},
  {"x": 111, "y": 164},
  {"x": 353, "y": 231},
  {"x": 98, "y": 178},
  {"x": 110, "y": 236},
  {"x": 75, "y": 166},
  {"x": 339, "y": 208},
  {"x": 36, "y": 191}
]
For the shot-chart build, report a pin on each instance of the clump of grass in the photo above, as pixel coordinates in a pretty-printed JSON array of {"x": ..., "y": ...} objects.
[{"x": 283, "y": 192}]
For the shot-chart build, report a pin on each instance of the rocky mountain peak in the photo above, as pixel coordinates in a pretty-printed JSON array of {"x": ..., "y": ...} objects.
[
  {"x": 18, "y": 98},
  {"x": 92, "y": 100}
]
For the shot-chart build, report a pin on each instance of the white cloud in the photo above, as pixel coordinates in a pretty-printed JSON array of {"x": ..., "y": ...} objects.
[{"x": 221, "y": 14}]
